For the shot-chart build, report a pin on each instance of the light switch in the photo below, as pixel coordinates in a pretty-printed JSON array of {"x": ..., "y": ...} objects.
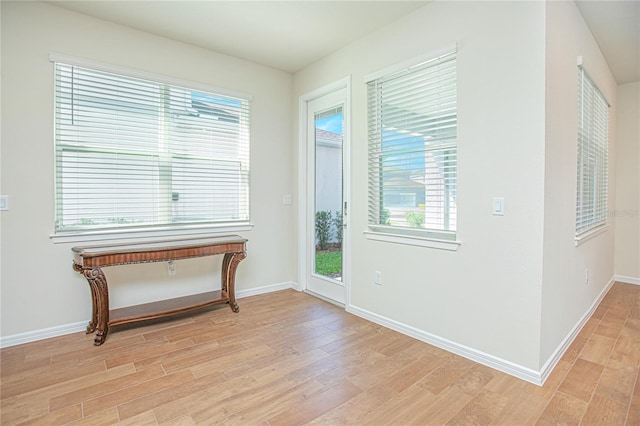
[
  {"x": 498, "y": 206},
  {"x": 286, "y": 199},
  {"x": 4, "y": 202}
]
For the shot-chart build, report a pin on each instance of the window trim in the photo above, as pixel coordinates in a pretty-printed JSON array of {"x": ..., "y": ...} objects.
[
  {"x": 408, "y": 64},
  {"x": 432, "y": 238},
  {"x": 157, "y": 231},
  {"x": 376, "y": 233},
  {"x": 141, "y": 233},
  {"x": 591, "y": 233}
]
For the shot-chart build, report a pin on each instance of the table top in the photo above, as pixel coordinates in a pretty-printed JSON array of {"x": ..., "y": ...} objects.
[
  {"x": 159, "y": 244},
  {"x": 167, "y": 245}
]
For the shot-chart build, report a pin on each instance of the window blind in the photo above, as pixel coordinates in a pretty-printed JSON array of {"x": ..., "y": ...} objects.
[
  {"x": 138, "y": 153},
  {"x": 412, "y": 127},
  {"x": 593, "y": 134}
]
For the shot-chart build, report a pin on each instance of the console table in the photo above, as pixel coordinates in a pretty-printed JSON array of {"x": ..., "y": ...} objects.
[{"x": 90, "y": 260}]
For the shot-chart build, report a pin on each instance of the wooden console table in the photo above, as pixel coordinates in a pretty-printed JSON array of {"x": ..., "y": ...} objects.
[{"x": 89, "y": 260}]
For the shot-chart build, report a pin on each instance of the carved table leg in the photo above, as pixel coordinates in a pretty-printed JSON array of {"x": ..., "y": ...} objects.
[
  {"x": 100, "y": 294},
  {"x": 91, "y": 327},
  {"x": 225, "y": 270},
  {"x": 229, "y": 266}
]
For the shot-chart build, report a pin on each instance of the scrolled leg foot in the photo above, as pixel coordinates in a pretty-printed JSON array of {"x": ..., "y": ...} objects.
[{"x": 100, "y": 337}]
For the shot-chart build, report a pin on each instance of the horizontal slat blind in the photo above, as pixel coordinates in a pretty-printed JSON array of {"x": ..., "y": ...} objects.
[
  {"x": 412, "y": 123},
  {"x": 593, "y": 134},
  {"x": 137, "y": 153}
]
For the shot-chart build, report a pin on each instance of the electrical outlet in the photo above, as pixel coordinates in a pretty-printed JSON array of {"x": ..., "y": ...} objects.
[
  {"x": 377, "y": 277},
  {"x": 171, "y": 267}
]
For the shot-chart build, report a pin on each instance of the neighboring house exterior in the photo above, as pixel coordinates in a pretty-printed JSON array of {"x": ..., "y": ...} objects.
[{"x": 329, "y": 171}]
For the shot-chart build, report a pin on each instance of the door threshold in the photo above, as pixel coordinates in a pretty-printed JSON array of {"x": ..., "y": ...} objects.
[{"x": 326, "y": 299}]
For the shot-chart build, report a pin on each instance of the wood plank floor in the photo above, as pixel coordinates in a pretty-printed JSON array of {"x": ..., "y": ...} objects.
[{"x": 288, "y": 359}]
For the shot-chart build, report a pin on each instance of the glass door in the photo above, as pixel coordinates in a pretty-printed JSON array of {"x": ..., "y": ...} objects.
[{"x": 326, "y": 204}]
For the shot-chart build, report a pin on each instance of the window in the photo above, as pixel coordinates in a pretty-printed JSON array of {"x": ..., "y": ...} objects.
[
  {"x": 593, "y": 123},
  {"x": 134, "y": 153},
  {"x": 412, "y": 130}
]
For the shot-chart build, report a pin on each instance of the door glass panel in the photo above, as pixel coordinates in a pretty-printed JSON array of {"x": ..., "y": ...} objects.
[{"x": 328, "y": 193}]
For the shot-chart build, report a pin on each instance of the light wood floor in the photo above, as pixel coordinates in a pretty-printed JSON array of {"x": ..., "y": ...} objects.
[{"x": 288, "y": 359}]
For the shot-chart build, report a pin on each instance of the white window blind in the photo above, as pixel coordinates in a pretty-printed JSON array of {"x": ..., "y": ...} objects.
[
  {"x": 593, "y": 145},
  {"x": 136, "y": 153},
  {"x": 412, "y": 126}
]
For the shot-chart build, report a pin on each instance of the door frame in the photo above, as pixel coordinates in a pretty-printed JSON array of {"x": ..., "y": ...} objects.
[{"x": 303, "y": 226}]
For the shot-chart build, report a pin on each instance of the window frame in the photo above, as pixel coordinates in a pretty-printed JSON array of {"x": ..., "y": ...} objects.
[
  {"x": 432, "y": 238},
  {"x": 157, "y": 230},
  {"x": 591, "y": 217}
]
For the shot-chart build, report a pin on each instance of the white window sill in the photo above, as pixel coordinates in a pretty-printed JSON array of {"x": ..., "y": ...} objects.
[
  {"x": 420, "y": 241},
  {"x": 141, "y": 234},
  {"x": 586, "y": 236}
]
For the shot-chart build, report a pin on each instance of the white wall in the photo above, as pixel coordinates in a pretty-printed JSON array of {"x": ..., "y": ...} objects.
[
  {"x": 39, "y": 288},
  {"x": 485, "y": 296},
  {"x": 565, "y": 295},
  {"x": 626, "y": 214}
]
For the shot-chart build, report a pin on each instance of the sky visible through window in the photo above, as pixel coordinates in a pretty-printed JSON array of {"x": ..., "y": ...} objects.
[{"x": 332, "y": 123}]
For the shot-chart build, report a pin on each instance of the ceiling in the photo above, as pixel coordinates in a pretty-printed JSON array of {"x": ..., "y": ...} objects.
[
  {"x": 290, "y": 35},
  {"x": 287, "y": 35},
  {"x": 616, "y": 27}
]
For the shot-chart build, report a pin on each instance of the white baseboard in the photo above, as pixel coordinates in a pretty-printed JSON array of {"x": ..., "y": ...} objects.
[
  {"x": 265, "y": 289},
  {"x": 45, "y": 333},
  {"x": 555, "y": 357},
  {"x": 480, "y": 357},
  {"x": 61, "y": 330},
  {"x": 627, "y": 280},
  {"x": 508, "y": 367}
]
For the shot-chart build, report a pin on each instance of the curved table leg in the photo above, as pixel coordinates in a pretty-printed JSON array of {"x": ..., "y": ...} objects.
[
  {"x": 229, "y": 266},
  {"x": 100, "y": 293},
  {"x": 225, "y": 271},
  {"x": 91, "y": 327}
]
